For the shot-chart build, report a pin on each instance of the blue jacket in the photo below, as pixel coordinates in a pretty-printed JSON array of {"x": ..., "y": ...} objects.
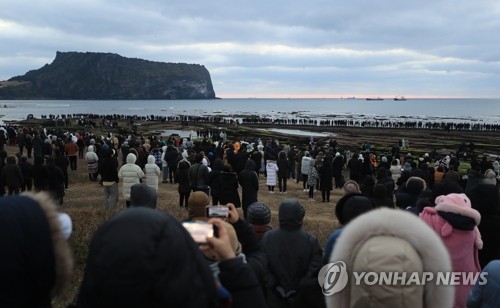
[
  {"x": 487, "y": 295},
  {"x": 330, "y": 243}
]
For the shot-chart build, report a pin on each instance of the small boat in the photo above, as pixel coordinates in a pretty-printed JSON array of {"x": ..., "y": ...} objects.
[
  {"x": 374, "y": 99},
  {"x": 402, "y": 98}
]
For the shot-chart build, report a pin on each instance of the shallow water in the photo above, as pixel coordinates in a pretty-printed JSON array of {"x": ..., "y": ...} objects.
[
  {"x": 447, "y": 110},
  {"x": 297, "y": 132}
]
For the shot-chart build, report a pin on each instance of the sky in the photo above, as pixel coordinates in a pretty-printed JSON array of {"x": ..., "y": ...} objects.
[{"x": 276, "y": 48}]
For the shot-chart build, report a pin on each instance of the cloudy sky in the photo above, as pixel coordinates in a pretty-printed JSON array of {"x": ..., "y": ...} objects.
[{"x": 276, "y": 48}]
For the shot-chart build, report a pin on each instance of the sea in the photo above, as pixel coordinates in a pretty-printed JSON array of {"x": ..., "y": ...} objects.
[{"x": 465, "y": 110}]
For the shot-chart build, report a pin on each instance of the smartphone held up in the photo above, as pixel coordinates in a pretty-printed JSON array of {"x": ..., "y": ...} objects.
[
  {"x": 200, "y": 231},
  {"x": 217, "y": 211}
]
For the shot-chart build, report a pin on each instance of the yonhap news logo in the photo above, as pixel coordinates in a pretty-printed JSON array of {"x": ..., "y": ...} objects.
[{"x": 333, "y": 278}]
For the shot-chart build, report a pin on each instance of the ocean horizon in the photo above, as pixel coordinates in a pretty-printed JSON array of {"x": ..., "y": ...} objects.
[{"x": 459, "y": 110}]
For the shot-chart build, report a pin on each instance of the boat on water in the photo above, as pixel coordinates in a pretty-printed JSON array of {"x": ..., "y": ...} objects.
[
  {"x": 402, "y": 98},
  {"x": 374, "y": 99}
]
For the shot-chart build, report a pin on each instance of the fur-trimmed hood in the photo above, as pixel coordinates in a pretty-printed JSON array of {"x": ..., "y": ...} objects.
[
  {"x": 415, "y": 185},
  {"x": 36, "y": 261},
  {"x": 457, "y": 204},
  {"x": 490, "y": 177},
  {"x": 413, "y": 232}
]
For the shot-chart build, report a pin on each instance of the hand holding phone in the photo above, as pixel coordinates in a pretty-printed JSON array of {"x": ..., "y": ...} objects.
[{"x": 219, "y": 248}]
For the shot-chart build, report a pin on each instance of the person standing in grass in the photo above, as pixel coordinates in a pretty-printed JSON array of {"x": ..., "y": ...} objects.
[
  {"x": 108, "y": 169},
  {"x": 249, "y": 182},
  {"x": 283, "y": 172},
  {"x": 71, "y": 150},
  {"x": 304, "y": 169},
  {"x": 152, "y": 172},
  {"x": 164, "y": 165},
  {"x": 271, "y": 171},
  {"x": 325, "y": 178},
  {"x": 292, "y": 277},
  {"x": 92, "y": 163},
  {"x": 182, "y": 179},
  {"x": 312, "y": 178},
  {"x": 131, "y": 174}
]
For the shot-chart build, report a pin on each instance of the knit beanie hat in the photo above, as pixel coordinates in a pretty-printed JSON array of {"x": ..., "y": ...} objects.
[
  {"x": 197, "y": 202},
  {"x": 458, "y": 204},
  {"x": 258, "y": 214},
  {"x": 351, "y": 186},
  {"x": 351, "y": 206}
]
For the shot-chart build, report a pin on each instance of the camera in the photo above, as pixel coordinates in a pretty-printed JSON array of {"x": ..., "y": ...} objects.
[
  {"x": 218, "y": 211},
  {"x": 200, "y": 231}
]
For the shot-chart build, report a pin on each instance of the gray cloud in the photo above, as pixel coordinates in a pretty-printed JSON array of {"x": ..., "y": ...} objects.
[{"x": 262, "y": 48}]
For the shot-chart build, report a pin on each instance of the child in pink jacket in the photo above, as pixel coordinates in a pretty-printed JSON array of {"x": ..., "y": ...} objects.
[{"x": 455, "y": 221}]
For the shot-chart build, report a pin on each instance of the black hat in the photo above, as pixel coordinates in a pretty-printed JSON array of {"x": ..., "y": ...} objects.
[
  {"x": 258, "y": 214},
  {"x": 351, "y": 206}
]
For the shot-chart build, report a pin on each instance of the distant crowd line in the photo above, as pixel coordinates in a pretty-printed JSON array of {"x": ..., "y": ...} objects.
[{"x": 112, "y": 121}]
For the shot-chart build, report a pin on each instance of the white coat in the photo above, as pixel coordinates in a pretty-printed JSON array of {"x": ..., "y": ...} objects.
[
  {"x": 130, "y": 174},
  {"x": 305, "y": 163},
  {"x": 163, "y": 161},
  {"x": 152, "y": 172},
  {"x": 272, "y": 172}
]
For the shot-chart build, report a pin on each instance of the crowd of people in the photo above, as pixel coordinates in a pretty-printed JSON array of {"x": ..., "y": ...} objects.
[
  {"x": 112, "y": 121},
  {"x": 398, "y": 212}
]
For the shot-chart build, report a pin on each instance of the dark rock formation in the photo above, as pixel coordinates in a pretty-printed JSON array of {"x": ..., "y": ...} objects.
[{"x": 91, "y": 75}]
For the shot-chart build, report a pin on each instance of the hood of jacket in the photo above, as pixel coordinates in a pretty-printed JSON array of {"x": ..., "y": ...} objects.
[
  {"x": 390, "y": 242},
  {"x": 415, "y": 185},
  {"x": 485, "y": 198},
  {"x": 131, "y": 158},
  {"x": 90, "y": 148},
  {"x": 351, "y": 206},
  {"x": 382, "y": 173},
  {"x": 134, "y": 261},
  {"x": 36, "y": 261},
  {"x": 143, "y": 195},
  {"x": 151, "y": 159},
  {"x": 385, "y": 253},
  {"x": 218, "y": 165},
  {"x": 250, "y": 165},
  {"x": 291, "y": 214}
]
